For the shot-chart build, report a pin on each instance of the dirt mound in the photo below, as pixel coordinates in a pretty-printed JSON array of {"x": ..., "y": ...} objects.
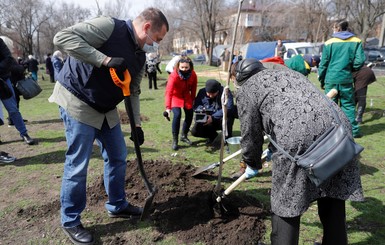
[{"x": 183, "y": 207}]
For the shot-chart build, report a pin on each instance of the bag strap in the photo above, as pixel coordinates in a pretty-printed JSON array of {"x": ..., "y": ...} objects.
[
  {"x": 336, "y": 117},
  {"x": 280, "y": 148}
]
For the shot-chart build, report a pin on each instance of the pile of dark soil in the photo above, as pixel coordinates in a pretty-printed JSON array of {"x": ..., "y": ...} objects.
[{"x": 183, "y": 207}]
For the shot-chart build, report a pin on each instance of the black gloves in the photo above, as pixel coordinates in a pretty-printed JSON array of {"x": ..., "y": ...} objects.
[
  {"x": 166, "y": 114},
  {"x": 118, "y": 63},
  {"x": 140, "y": 135}
]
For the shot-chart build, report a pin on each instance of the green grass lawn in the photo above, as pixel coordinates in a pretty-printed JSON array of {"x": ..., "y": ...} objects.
[{"x": 366, "y": 222}]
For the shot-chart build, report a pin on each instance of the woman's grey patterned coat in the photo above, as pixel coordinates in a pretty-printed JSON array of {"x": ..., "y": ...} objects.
[{"x": 285, "y": 105}]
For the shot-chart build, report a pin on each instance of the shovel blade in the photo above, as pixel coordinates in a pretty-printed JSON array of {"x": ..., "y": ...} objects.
[
  {"x": 147, "y": 205},
  {"x": 205, "y": 168}
]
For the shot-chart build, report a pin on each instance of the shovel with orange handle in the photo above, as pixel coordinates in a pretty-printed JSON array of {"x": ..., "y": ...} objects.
[{"x": 125, "y": 86}]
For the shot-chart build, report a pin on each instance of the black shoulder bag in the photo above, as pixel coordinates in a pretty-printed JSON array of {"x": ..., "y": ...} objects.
[{"x": 28, "y": 87}]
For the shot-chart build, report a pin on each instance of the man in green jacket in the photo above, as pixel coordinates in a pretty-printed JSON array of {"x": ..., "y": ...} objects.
[{"x": 341, "y": 55}]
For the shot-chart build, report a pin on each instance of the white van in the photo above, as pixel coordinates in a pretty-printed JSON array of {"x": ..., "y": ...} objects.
[{"x": 299, "y": 48}]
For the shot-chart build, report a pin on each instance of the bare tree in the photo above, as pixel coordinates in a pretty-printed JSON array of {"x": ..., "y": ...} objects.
[
  {"x": 363, "y": 15},
  {"x": 171, "y": 14},
  {"x": 63, "y": 15},
  {"x": 23, "y": 17},
  {"x": 201, "y": 21},
  {"x": 366, "y": 15},
  {"x": 309, "y": 17},
  {"x": 31, "y": 23},
  {"x": 117, "y": 8}
]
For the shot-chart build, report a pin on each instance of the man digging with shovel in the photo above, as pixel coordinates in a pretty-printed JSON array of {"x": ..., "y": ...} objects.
[{"x": 87, "y": 99}]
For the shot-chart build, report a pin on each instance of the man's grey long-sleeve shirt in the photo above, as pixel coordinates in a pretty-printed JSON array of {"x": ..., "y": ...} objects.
[{"x": 81, "y": 42}]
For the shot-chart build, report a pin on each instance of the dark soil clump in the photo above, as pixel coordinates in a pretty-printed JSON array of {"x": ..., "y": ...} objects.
[{"x": 183, "y": 207}]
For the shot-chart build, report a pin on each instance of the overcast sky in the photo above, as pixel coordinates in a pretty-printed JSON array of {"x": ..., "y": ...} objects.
[{"x": 136, "y": 5}]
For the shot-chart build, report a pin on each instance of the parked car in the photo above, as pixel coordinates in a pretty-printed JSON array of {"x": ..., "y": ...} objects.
[
  {"x": 201, "y": 59},
  {"x": 375, "y": 55},
  {"x": 293, "y": 49},
  {"x": 262, "y": 50}
]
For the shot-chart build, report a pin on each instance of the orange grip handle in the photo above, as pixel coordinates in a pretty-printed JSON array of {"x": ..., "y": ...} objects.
[{"x": 125, "y": 84}]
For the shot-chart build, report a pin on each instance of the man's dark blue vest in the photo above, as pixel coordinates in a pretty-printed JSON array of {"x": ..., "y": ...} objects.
[{"x": 94, "y": 85}]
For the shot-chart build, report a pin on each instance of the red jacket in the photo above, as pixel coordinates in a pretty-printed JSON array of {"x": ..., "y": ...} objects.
[{"x": 181, "y": 93}]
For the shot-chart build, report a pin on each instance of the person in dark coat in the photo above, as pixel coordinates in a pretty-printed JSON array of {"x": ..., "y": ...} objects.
[
  {"x": 17, "y": 74},
  {"x": 49, "y": 68},
  {"x": 33, "y": 66},
  {"x": 209, "y": 101},
  {"x": 10, "y": 104},
  {"x": 152, "y": 66},
  {"x": 362, "y": 78},
  {"x": 285, "y": 105}
]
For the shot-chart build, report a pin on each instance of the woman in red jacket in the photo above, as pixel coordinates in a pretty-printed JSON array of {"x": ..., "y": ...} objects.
[{"x": 180, "y": 93}]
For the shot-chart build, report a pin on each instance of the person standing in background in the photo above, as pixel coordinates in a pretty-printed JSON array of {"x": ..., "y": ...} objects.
[
  {"x": 33, "y": 66},
  {"x": 17, "y": 74},
  {"x": 49, "y": 68},
  {"x": 152, "y": 66},
  {"x": 280, "y": 49},
  {"x": 57, "y": 63},
  {"x": 180, "y": 94},
  {"x": 362, "y": 78},
  {"x": 10, "y": 104},
  {"x": 342, "y": 54},
  {"x": 171, "y": 64},
  {"x": 225, "y": 59}
]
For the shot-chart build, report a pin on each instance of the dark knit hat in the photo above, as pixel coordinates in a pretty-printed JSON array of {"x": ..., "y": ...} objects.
[{"x": 212, "y": 86}]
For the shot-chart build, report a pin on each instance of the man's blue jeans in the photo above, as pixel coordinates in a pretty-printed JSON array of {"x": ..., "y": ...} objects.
[
  {"x": 80, "y": 138},
  {"x": 34, "y": 75},
  {"x": 13, "y": 112}
]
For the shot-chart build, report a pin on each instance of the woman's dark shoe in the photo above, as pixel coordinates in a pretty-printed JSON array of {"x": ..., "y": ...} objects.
[
  {"x": 28, "y": 139},
  {"x": 79, "y": 235},
  {"x": 174, "y": 145},
  {"x": 174, "y": 142},
  {"x": 184, "y": 139}
]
